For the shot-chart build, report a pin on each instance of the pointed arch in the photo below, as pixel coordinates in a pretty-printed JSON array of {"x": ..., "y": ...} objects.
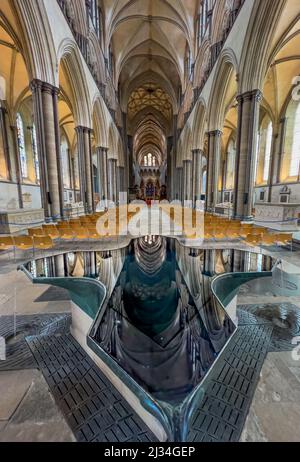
[{"x": 69, "y": 55}]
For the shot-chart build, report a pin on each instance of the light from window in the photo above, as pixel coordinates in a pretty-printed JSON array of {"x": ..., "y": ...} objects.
[
  {"x": 35, "y": 153},
  {"x": 230, "y": 170},
  {"x": 21, "y": 146},
  {"x": 295, "y": 157},
  {"x": 149, "y": 160},
  {"x": 268, "y": 148},
  {"x": 264, "y": 151},
  {"x": 64, "y": 152}
]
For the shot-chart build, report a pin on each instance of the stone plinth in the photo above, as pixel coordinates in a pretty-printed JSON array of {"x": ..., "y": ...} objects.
[
  {"x": 277, "y": 216},
  {"x": 12, "y": 221}
]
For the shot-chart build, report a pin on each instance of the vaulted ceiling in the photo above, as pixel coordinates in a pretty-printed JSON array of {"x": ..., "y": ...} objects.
[{"x": 149, "y": 40}]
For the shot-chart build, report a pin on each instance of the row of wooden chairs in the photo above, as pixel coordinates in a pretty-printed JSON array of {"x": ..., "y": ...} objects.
[{"x": 26, "y": 242}]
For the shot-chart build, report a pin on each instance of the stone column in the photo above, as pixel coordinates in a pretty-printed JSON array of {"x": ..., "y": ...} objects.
[
  {"x": 248, "y": 121},
  {"x": 187, "y": 180},
  {"x": 197, "y": 175},
  {"x": 81, "y": 167},
  {"x": 112, "y": 179},
  {"x": 3, "y": 129},
  {"x": 85, "y": 167},
  {"x": 99, "y": 170},
  {"x": 209, "y": 262},
  {"x": 120, "y": 181},
  {"x": 213, "y": 169},
  {"x": 102, "y": 172},
  {"x": 18, "y": 166},
  {"x": 59, "y": 266},
  {"x": 179, "y": 184},
  {"x": 47, "y": 132}
]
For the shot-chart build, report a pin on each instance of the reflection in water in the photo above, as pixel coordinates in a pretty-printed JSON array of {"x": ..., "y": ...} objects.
[
  {"x": 152, "y": 326},
  {"x": 159, "y": 321}
]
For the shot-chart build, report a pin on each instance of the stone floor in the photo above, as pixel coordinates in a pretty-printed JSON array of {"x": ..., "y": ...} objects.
[
  {"x": 27, "y": 409},
  {"x": 28, "y": 412},
  {"x": 275, "y": 411}
]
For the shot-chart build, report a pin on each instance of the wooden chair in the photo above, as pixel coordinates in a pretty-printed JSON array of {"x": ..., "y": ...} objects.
[
  {"x": 63, "y": 225},
  {"x": 23, "y": 243},
  {"x": 6, "y": 243},
  {"x": 268, "y": 239},
  {"x": 220, "y": 233},
  {"x": 36, "y": 232},
  {"x": 66, "y": 234},
  {"x": 42, "y": 243},
  {"x": 254, "y": 240},
  {"x": 93, "y": 233},
  {"x": 284, "y": 239},
  {"x": 81, "y": 233},
  {"x": 51, "y": 231}
]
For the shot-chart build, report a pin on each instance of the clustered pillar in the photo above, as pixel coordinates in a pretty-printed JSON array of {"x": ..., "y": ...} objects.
[
  {"x": 112, "y": 180},
  {"x": 102, "y": 172},
  {"x": 85, "y": 168},
  {"x": 248, "y": 122},
  {"x": 47, "y": 131},
  {"x": 178, "y": 186},
  {"x": 213, "y": 169},
  {"x": 187, "y": 179},
  {"x": 197, "y": 175}
]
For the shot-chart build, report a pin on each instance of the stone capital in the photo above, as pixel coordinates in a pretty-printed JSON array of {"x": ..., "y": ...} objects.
[
  {"x": 197, "y": 151},
  {"x": 83, "y": 129},
  {"x": 39, "y": 85},
  {"x": 215, "y": 133},
  {"x": 255, "y": 95}
]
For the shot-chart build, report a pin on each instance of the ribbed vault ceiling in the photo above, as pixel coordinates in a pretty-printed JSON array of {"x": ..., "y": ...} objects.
[{"x": 149, "y": 40}]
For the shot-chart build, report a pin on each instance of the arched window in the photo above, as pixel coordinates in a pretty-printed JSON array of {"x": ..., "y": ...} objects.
[
  {"x": 230, "y": 165},
  {"x": 188, "y": 63},
  {"x": 76, "y": 170},
  {"x": 264, "y": 151},
  {"x": 64, "y": 152},
  {"x": 202, "y": 20},
  {"x": 96, "y": 16},
  {"x": 290, "y": 162},
  {"x": 204, "y": 182},
  {"x": 149, "y": 160},
  {"x": 21, "y": 146},
  {"x": 3, "y": 160},
  {"x": 295, "y": 161},
  {"x": 35, "y": 154}
]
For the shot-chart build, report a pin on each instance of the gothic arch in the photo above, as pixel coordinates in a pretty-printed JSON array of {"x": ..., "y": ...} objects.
[
  {"x": 100, "y": 123},
  {"x": 224, "y": 84},
  {"x": 36, "y": 39},
  {"x": 199, "y": 125},
  {"x": 261, "y": 30},
  {"x": 68, "y": 54}
]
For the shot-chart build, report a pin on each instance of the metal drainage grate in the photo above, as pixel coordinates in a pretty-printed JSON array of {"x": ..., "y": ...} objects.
[
  {"x": 94, "y": 409},
  {"x": 15, "y": 329}
]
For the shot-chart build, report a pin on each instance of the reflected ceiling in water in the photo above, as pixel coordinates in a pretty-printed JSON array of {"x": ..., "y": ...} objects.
[{"x": 159, "y": 322}]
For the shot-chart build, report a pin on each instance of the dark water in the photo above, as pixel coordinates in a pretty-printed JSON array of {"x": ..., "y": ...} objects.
[
  {"x": 159, "y": 322},
  {"x": 155, "y": 330}
]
